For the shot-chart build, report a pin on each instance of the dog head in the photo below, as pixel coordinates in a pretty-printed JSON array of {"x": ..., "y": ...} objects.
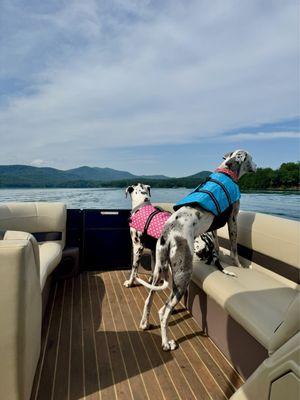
[
  {"x": 139, "y": 194},
  {"x": 240, "y": 162}
]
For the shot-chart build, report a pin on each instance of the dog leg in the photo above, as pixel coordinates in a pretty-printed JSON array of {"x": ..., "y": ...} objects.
[
  {"x": 164, "y": 315},
  {"x": 181, "y": 260},
  {"x": 180, "y": 285},
  {"x": 144, "y": 324},
  {"x": 137, "y": 255},
  {"x": 232, "y": 231},
  {"x": 216, "y": 240},
  {"x": 160, "y": 270},
  {"x": 150, "y": 279}
]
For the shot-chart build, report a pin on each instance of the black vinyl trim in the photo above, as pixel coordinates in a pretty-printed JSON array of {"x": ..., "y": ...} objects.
[{"x": 47, "y": 236}]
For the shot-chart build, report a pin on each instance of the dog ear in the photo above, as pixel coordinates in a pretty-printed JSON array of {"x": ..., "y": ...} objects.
[
  {"x": 149, "y": 189},
  {"x": 129, "y": 190},
  {"x": 227, "y": 155}
]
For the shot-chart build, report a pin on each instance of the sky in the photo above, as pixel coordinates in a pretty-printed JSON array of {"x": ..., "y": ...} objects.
[{"x": 151, "y": 87}]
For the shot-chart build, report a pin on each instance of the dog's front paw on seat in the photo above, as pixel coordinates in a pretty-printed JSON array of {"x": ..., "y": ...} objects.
[
  {"x": 169, "y": 345},
  {"x": 128, "y": 283}
]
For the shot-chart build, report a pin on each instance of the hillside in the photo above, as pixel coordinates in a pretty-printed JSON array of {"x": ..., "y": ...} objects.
[
  {"x": 29, "y": 176},
  {"x": 13, "y": 176},
  {"x": 99, "y": 174}
]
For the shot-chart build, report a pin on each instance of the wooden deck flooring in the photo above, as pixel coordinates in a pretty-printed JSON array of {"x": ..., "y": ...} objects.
[{"x": 92, "y": 347}]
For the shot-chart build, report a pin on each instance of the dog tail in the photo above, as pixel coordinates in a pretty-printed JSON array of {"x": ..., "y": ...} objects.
[{"x": 153, "y": 287}]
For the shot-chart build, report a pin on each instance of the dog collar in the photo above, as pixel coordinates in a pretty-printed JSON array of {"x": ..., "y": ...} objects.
[{"x": 232, "y": 174}]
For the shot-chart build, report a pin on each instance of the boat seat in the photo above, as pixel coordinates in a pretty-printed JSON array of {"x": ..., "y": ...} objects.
[
  {"x": 259, "y": 302},
  {"x": 20, "y": 314},
  {"x": 264, "y": 298},
  {"x": 50, "y": 255},
  {"x": 46, "y": 221}
]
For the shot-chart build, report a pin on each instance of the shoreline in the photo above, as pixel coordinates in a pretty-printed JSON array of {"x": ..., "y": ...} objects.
[{"x": 295, "y": 190}]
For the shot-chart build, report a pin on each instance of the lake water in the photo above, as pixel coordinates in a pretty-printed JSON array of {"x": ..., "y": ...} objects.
[{"x": 283, "y": 204}]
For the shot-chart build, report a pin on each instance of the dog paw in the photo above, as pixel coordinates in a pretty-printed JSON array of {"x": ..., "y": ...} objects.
[
  {"x": 127, "y": 283},
  {"x": 144, "y": 325},
  {"x": 229, "y": 273},
  {"x": 150, "y": 279},
  {"x": 169, "y": 346}
]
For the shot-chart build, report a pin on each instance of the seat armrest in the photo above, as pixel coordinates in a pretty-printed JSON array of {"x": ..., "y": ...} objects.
[
  {"x": 20, "y": 315},
  {"x": 19, "y": 235}
]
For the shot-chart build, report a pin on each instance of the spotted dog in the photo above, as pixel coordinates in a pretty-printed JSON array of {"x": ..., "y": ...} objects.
[
  {"x": 174, "y": 249},
  {"x": 146, "y": 224}
]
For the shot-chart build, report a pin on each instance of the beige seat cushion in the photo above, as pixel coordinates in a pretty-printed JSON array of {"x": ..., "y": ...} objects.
[
  {"x": 50, "y": 256},
  {"x": 254, "y": 299}
]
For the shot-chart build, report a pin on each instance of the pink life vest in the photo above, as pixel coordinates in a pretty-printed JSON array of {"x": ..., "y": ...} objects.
[{"x": 149, "y": 220}]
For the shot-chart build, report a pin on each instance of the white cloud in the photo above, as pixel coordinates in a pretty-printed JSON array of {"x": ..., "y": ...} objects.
[
  {"x": 37, "y": 163},
  {"x": 102, "y": 74},
  {"x": 256, "y": 136}
]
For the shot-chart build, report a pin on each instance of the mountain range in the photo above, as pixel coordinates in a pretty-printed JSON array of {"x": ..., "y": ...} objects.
[{"x": 29, "y": 176}]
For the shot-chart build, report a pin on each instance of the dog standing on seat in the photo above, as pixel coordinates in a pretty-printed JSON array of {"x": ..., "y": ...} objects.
[{"x": 175, "y": 247}]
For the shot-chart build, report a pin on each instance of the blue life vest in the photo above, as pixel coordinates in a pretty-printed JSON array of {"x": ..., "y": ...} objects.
[{"x": 216, "y": 195}]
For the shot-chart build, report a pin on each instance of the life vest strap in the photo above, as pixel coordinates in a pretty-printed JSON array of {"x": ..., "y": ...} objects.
[
  {"x": 211, "y": 195},
  {"x": 224, "y": 189},
  {"x": 149, "y": 219}
]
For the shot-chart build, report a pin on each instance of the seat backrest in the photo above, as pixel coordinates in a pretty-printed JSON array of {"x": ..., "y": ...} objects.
[
  {"x": 20, "y": 315},
  {"x": 47, "y": 220},
  {"x": 165, "y": 206},
  {"x": 269, "y": 241}
]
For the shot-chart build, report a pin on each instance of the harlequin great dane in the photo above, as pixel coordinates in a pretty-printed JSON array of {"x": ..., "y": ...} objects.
[
  {"x": 146, "y": 224},
  {"x": 195, "y": 215}
]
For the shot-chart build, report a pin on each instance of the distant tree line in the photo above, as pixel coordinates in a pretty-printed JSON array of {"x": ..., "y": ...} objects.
[{"x": 286, "y": 177}]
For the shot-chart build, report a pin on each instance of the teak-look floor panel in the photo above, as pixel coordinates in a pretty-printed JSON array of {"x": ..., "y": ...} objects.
[{"x": 92, "y": 347}]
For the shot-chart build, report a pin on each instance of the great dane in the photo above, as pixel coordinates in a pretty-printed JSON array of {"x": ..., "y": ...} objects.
[
  {"x": 140, "y": 196},
  {"x": 175, "y": 247}
]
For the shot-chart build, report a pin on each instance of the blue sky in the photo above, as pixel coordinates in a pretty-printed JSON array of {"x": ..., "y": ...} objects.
[{"x": 164, "y": 87}]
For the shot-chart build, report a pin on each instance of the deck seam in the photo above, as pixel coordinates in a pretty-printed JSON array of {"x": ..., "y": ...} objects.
[
  {"x": 70, "y": 340},
  {"x": 140, "y": 336},
  {"x": 121, "y": 352},
  {"x": 82, "y": 340},
  {"x": 141, "y": 375},
  {"x": 58, "y": 342},
  {"x": 46, "y": 342},
  {"x": 94, "y": 337},
  {"x": 106, "y": 342}
]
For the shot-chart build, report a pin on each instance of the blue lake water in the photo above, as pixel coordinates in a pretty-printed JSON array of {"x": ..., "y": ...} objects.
[{"x": 283, "y": 204}]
